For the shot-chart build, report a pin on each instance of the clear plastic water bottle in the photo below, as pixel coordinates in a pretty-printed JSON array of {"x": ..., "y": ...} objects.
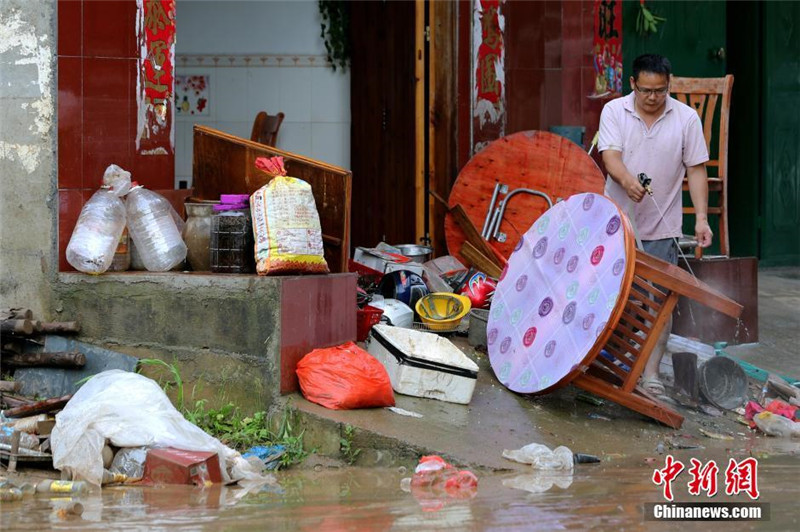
[
  {"x": 155, "y": 231},
  {"x": 97, "y": 232}
]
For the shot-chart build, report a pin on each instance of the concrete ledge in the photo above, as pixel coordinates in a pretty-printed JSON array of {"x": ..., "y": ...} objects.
[{"x": 235, "y": 337}]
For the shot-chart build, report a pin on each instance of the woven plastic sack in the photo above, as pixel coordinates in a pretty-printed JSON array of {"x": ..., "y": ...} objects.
[
  {"x": 286, "y": 224},
  {"x": 344, "y": 377}
]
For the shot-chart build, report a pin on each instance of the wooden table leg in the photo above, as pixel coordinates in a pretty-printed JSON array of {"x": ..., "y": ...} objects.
[{"x": 630, "y": 400}]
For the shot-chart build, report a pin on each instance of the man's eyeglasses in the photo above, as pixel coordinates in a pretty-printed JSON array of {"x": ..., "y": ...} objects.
[{"x": 661, "y": 91}]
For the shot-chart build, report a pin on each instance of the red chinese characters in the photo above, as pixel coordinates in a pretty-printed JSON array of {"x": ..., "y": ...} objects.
[
  {"x": 742, "y": 477},
  {"x": 665, "y": 476},
  {"x": 739, "y": 477},
  {"x": 156, "y": 42},
  {"x": 703, "y": 479}
]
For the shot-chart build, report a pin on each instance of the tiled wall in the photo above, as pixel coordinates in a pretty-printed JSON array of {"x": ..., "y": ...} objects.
[
  {"x": 262, "y": 56},
  {"x": 314, "y": 99},
  {"x": 549, "y": 66},
  {"x": 97, "y": 108}
]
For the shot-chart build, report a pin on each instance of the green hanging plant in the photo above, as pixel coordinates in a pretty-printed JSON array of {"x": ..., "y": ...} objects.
[
  {"x": 646, "y": 21},
  {"x": 335, "y": 31}
]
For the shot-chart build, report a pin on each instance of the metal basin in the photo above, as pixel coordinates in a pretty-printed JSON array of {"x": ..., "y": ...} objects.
[{"x": 416, "y": 253}]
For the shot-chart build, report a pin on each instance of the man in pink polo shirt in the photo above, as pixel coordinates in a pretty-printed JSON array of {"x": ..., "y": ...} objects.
[{"x": 649, "y": 132}]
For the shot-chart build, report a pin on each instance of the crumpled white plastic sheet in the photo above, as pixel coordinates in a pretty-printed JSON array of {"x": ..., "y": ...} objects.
[
  {"x": 541, "y": 457},
  {"x": 130, "y": 410}
]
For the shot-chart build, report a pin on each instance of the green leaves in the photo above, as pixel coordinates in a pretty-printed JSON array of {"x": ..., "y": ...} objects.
[
  {"x": 335, "y": 32},
  {"x": 646, "y": 21}
]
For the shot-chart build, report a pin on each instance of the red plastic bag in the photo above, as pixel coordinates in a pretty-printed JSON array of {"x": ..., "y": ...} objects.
[{"x": 344, "y": 377}]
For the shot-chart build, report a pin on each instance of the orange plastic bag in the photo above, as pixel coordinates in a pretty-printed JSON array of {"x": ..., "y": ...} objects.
[{"x": 344, "y": 377}]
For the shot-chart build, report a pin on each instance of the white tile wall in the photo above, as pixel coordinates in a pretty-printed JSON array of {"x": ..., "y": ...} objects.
[{"x": 265, "y": 39}]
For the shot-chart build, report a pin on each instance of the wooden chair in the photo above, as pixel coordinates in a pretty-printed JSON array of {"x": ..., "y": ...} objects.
[
  {"x": 703, "y": 94},
  {"x": 636, "y": 323},
  {"x": 265, "y": 128}
]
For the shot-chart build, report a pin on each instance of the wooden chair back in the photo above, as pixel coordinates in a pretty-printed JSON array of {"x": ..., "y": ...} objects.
[
  {"x": 711, "y": 98},
  {"x": 265, "y": 128}
]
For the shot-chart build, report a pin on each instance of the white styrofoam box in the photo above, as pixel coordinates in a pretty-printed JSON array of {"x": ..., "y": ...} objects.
[
  {"x": 330, "y": 142},
  {"x": 423, "y": 364},
  {"x": 395, "y": 312},
  {"x": 330, "y": 95},
  {"x": 295, "y": 93}
]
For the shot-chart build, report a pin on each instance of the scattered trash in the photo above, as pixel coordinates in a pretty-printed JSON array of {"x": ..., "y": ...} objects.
[
  {"x": 177, "y": 466},
  {"x": 10, "y": 494},
  {"x": 129, "y": 461},
  {"x": 54, "y": 382},
  {"x": 715, "y": 435},
  {"x": 62, "y": 486},
  {"x": 649, "y": 460},
  {"x": 710, "y": 410},
  {"x": 395, "y": 312},
  {"x": 594, "y": 415},
  {"x": 403, "y": 412},
  {"x": 589, "y": 398},
  {"x": 777, "y": 425},
  {"x": 442, "y": 311},
  {"x": 476, "y": 335},
  {"x": 268, "y": 454},
  {"x": 580, "y": 458},
  {"x": 64, "y": 508},
  {"x": 677, "y": 444},
  {"x": 541, "y": 457},
  {"x": 684, "y": 367},
  {"x": 435, "y": 482},
  {"x": 660, "y": 448},
  {"x": 385, "y": 261},
  {"x": 129, "y": 410},
  {"x": 344, "y": 377},
  {"x": 723, "y": 383}
]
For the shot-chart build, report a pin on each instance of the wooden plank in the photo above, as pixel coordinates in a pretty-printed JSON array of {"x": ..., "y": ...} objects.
[
  {"x": 472, "y": 235},
  {"x": 23, "y": 327},
  {"x": 643, "y": 405},
  {"x": 443, "y": 167},
  {"x": 633, "y": 316},
  {"x": 60, "y": 359},
  {"x": 682, "y": 282},
  {"x": 9, "y": 386},
  {"x": 420, "y": 112},
  {"x": 16, "y": 313},
  {"x": 650, "y": 342},
  {"x": 53, "y": 327},
  {"x": 477, "y": 259},
  {"x": 40, "y": 407}
]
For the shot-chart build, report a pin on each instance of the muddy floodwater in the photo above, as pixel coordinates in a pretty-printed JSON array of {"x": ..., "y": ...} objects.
[{"x": 606, "y": 496}]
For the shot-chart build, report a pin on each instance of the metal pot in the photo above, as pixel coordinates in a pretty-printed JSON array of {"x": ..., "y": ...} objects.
[{"x": 416, "y": 253}]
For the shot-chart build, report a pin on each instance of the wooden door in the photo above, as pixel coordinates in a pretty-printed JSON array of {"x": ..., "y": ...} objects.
[
  {"x": 780, "y": 227},
  {"x": 382, "y": 103}
]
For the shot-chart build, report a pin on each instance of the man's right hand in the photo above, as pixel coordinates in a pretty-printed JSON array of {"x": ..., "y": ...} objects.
[
  {"x": 634, "y": 189},
  {"x": 612, "y": 159}
]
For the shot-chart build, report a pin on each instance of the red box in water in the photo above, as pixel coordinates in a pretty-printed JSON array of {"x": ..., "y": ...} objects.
[{"x": 176, "y": 466}]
